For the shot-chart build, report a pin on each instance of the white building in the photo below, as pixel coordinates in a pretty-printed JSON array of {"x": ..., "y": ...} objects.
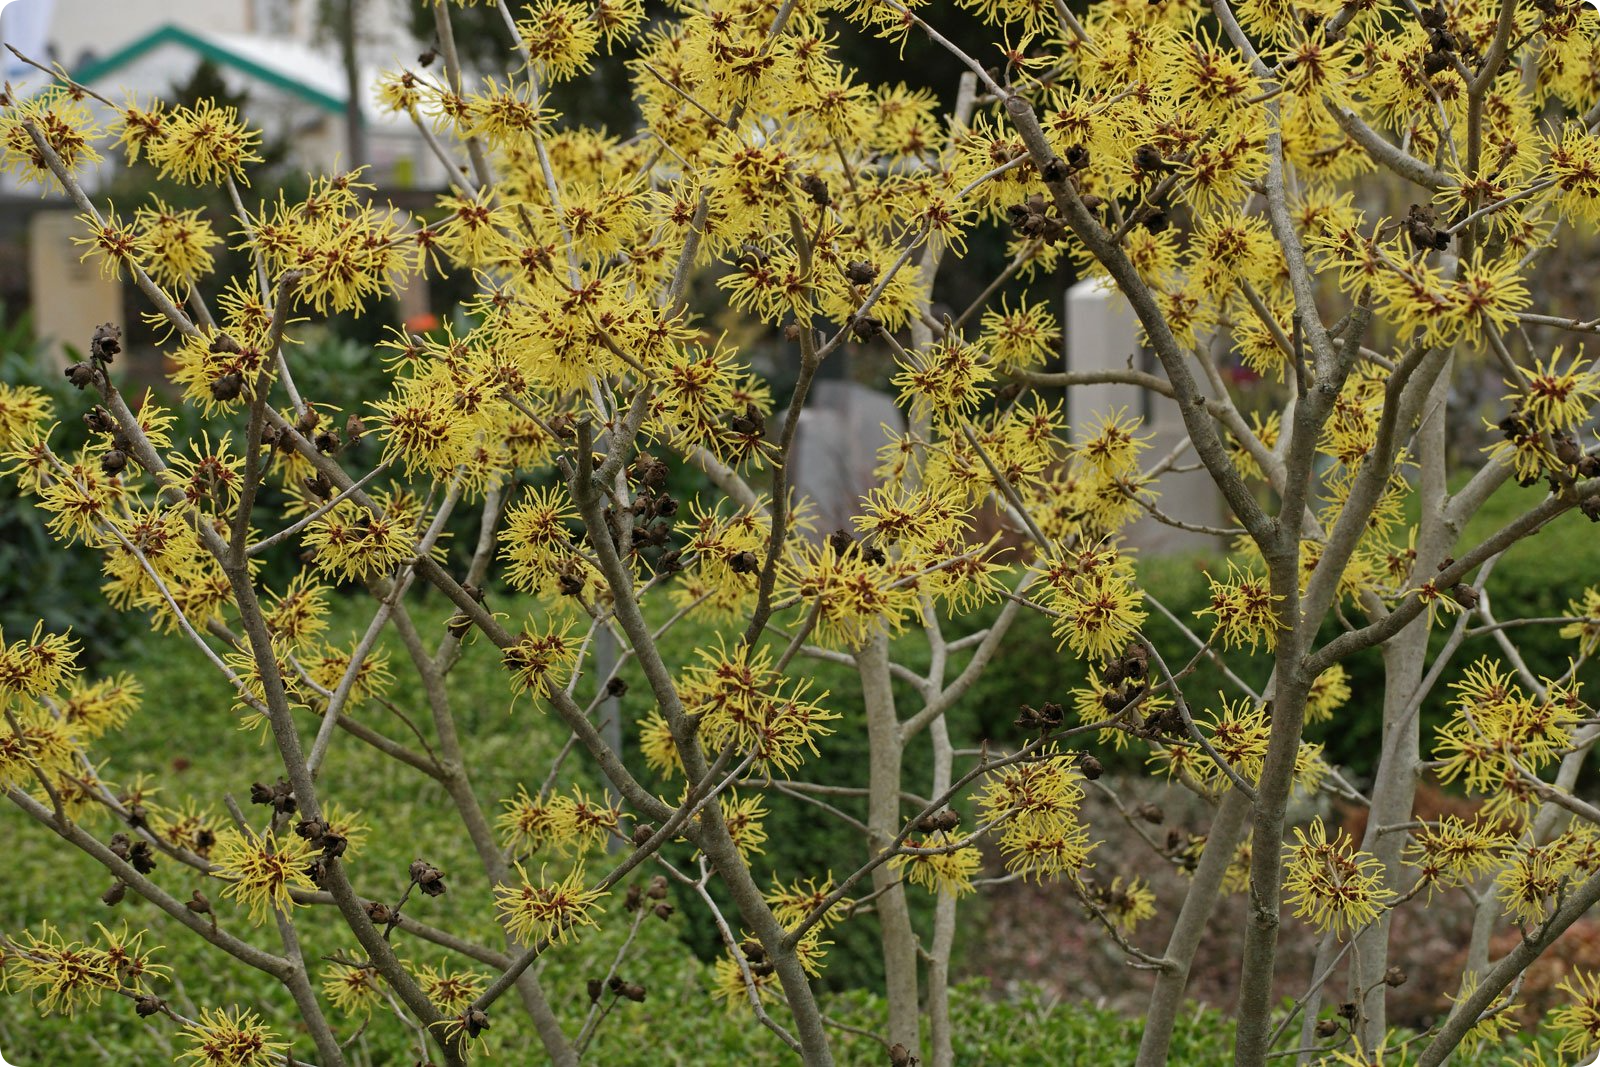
[{"x": 274, "y": 50}]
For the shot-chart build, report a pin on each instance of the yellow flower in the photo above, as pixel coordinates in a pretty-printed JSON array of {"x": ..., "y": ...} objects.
[
  {"x": 1110, "y": 443},
  {"x": 1328, "y": 694},
  {"x": 38, "y": 664},
  {"x": 451, "y": 990},
  {"x": 1587, "y": 630},
  {"x": 234, "y": 1038},
  {"x": 327, "y": 665},
  {"x": 528, "y": 824},
  {"x": 1244, "y": 608},
  {"x": 560, "y": 38},
  {"x": 1558, "y": 399},
  {"x": 351, "y": 990},
  {"x": 1496, "y": 732},
  {"x": 1124, "y": 904},
  {"x": 946, "y": 381},
  {"x": 1575, "y": 164},
  {"x": 533, "y": 913},
  {"x": 261, "y": 871},
  {"x": 1493, "y": 1026},
  {"x": 536, "y": 540},
  {"x": 351, "y": 542},
  {"x": 618, "y": 20},
  {"x": 730, "y": 986},
  {"x": 1453, "y": 852},
  {"x": 1099, "y": 607},
  {"x": 139, "y": 126},
  {"x": 62, "y": 975},
  {"x": 209, "y": 476},
  {"x": 742, "y": 816},
  {"x": 539, "y": 658},
  {"x": 856, "y": 593},
  {"x": 23, "y": 409},
  {"x": 1038, "y": 802},
  {"x": 176, "y": 244},
  {"x": 937, "y": 867},
  {"x": 346, "y": 257},
  {"x": 1578, "y": 1022},
  {"x": 128, "y": 959},
  {"x": 204, "y": 145},
  {"x": 299, "y": 615},
  {"x": 473, "y": 231},
  {"x": 1332, "y": 883},
  {"x": 741, "y": 701},
  {"x": 1021, "y": 339},
  {"x": 119, "y": 245},
  {"x": 91, "y": 709},
  {"x": 61, "y": 118},
  {"x": 791, "y": 904},
  {"x": 1531, "y": 884},
  {"x": 656, "y": 745},
  {"x": 505, "y": 115}
]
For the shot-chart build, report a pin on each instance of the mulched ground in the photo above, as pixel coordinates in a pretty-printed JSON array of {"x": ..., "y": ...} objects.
[{"x": 1040, "y": 934}]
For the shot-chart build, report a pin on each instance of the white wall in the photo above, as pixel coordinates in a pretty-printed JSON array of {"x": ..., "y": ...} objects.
[{"x": 103, "y": 27}]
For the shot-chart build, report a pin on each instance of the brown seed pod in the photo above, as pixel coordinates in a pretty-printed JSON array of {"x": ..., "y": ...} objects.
[
  {"x": 428, "y": 878},
  {"x": 106, "y": 342},
  {"x": 81, "y": 375}
]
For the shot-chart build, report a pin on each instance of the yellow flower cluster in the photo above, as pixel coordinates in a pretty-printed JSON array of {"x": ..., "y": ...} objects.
[
  {"x": 1332, "y": 883},
  {"x": 236, "y": 1038},
  {"x": 1497, "y": 735},
  {"x": 262, "y": 870},
  {"x": 353, "y": 543},
  {"x": 1245, "y": 610},
  {"x": 39, "y": 663},
  {"x": 546, "y": 911},
  {"x": 1098, "y": 605},
  {"x": 1456, "y": 852},
  {"x": 1037, "y": 804},
  {"x": 540, "y": 657},
  {"x": 793, "y": 903},
  {"x": 1578, "y": 1022},
  {"x": 566, "y": 823},
  {"x": 743, "y": 703},
  {"x": 938, "y": 864},
  {"x": 63, "y": 975},
  {"x": 1238, "y": 733}
]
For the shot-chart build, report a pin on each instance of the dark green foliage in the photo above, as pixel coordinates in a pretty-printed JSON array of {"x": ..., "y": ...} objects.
[{"x": 37, "y": 579}]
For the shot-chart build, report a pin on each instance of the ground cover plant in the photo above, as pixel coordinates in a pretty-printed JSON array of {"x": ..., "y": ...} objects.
[{"x": 1360, "y": 204}]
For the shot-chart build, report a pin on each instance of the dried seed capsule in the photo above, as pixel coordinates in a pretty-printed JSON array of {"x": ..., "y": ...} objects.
[
  {"x": 106, "y": 342},
  {"x": 427, "y": 877}
]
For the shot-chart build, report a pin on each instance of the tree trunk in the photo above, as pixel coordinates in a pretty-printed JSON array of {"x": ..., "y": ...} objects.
[
  {"x": 883, "y": 823},
  {"x": 1227, "y": 827},
  {"x": 1405, "y": 660},
  {"x": 355, "y": 127}
]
